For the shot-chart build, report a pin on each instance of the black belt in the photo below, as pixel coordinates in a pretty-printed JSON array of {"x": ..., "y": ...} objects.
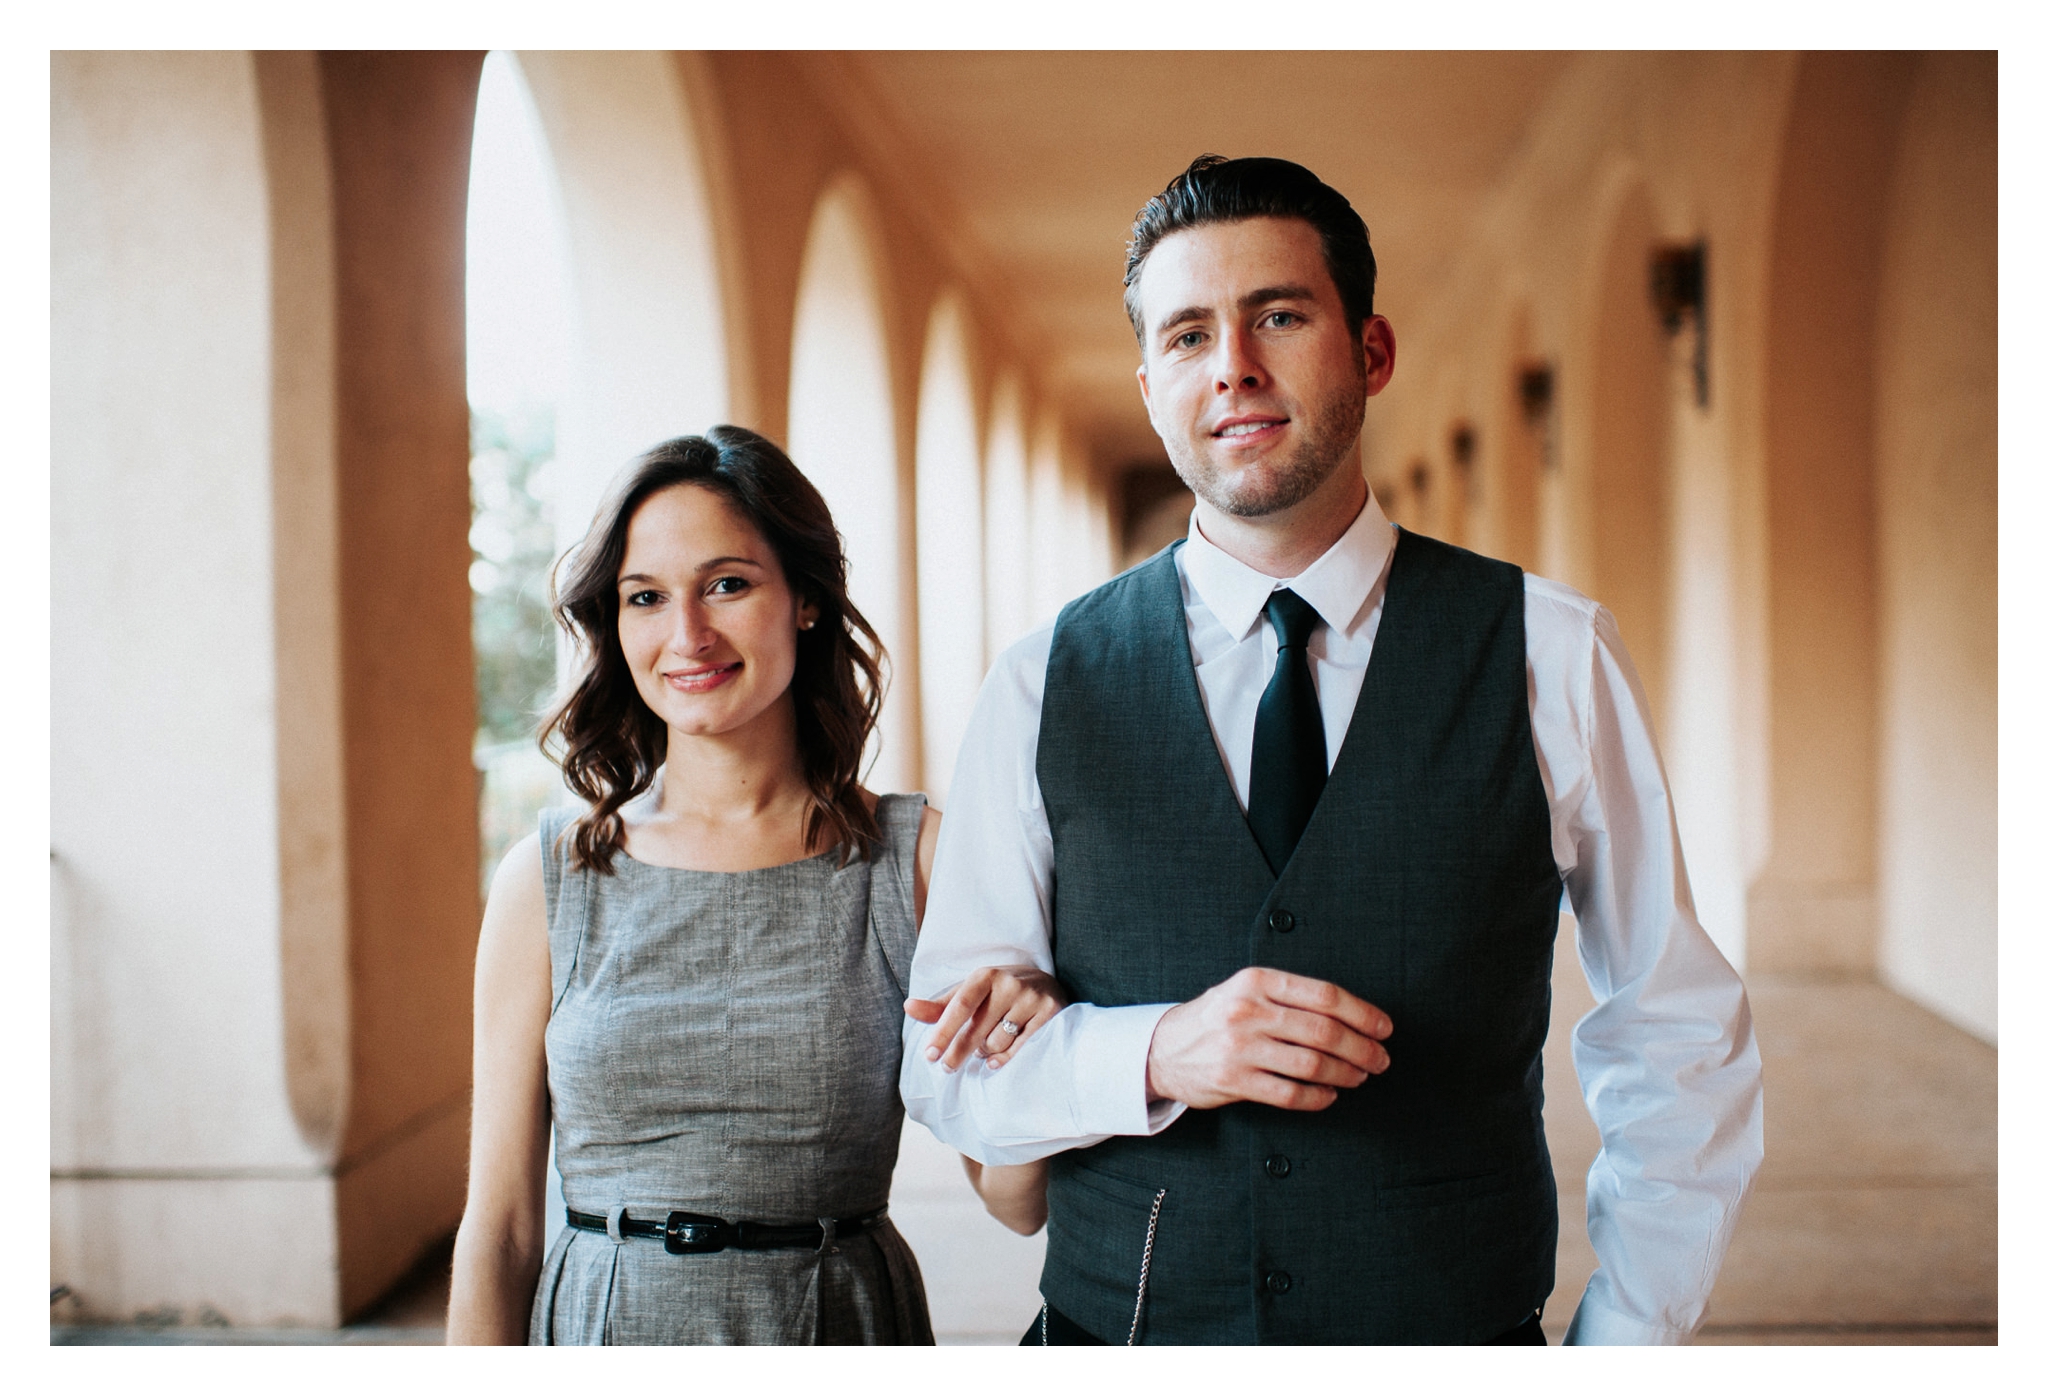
[{"x": 692, "y": 1233}]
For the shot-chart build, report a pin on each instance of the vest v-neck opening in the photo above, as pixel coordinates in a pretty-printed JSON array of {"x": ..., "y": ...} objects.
[{"x": 1187, "y": 690}]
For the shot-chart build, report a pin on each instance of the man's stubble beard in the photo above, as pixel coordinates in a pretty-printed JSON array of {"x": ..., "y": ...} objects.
[{"x": 1274, "y": 485}]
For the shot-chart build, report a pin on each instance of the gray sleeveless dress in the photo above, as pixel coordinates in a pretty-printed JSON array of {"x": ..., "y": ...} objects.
[{"x": 728, "y": 1043}]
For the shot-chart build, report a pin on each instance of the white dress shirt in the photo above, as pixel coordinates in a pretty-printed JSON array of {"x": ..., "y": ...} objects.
[{"x": 1667, "y": 1060}]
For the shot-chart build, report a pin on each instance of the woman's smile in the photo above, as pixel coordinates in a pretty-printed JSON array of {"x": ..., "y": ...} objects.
[{"x": 701, "y": 678}]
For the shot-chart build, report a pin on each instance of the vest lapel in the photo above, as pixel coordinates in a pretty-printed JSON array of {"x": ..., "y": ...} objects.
[{"x": 1165, "y": 627}]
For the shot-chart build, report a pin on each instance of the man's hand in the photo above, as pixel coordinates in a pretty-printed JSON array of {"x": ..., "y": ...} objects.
[{"x": 1266, "y": 1035}]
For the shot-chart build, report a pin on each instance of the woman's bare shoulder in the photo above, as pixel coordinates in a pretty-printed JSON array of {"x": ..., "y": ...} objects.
[{"x": 518, "y": 896}]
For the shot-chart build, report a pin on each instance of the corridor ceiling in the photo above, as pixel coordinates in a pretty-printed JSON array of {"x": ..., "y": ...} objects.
[{"x": 1044, "y": 158}]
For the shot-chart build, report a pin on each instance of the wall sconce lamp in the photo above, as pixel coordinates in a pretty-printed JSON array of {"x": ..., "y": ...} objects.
[
  {"x": 1536, "y": 391},
  {"x": 1464, "y": 445},
  {"x": 1678, "y": 290},
  {"x": 1535, "y": 385}
]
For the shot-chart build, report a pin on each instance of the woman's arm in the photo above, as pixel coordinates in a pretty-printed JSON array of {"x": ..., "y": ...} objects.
[
  {"x": 1013, "y": 1193},
  {"x": 927, "y": 853},
  {"x": 498, "y": 1247}
]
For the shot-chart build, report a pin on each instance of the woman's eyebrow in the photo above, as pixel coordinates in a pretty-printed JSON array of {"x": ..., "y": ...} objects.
[{"x": 706, "y": 566}]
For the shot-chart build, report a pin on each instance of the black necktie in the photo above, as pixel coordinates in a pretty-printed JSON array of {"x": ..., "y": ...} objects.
[{"x": 1288, "y": 765}]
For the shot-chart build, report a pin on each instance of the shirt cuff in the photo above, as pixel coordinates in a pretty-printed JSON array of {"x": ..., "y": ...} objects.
[
  {"x": 1111, "y": 1046},
  {"x": 1596, "y": 1325}
]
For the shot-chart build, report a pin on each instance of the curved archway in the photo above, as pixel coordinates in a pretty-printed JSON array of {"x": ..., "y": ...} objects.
[
  {"x": 1628, "y": 445},
  {"x": 1812, "y": 907},
  {"x": 842, "y": 434},
  {"x": 1936, "y": 387},
  {"x": 649, "y": 358},
  {"x": 1007, "y": 537},
  {"x": 520, "y": 340},
  {"x": 1048, "y": 586},
  {"x": 1510, "y": 459},
  {"x": 951, "y": 623}
]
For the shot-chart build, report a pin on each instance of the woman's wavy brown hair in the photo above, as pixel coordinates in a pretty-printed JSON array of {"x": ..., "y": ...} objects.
[{"x": 606, "y": 739}]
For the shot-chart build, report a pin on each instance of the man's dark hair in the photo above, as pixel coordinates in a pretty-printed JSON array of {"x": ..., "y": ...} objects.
[{"x": 1216, "y": 190}]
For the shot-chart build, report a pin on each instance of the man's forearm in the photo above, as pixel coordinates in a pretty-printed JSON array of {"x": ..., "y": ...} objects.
[{"x": 1078, "y": 1081}]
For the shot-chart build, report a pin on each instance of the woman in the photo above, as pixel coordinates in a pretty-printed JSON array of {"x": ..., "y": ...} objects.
[{"x": 699, "y": 981}]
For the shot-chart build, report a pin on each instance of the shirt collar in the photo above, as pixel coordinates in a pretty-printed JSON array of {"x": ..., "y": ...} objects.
[{"x": 1337, "y": 584}]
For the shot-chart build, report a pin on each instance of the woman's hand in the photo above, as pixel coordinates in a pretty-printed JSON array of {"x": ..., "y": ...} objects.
[{"x": 972, "y": 1014}]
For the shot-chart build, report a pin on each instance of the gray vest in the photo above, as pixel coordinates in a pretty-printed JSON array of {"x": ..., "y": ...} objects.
[{"x": 1419, "y": 1208}]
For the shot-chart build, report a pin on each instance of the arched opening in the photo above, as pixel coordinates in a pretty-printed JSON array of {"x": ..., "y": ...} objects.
[
  {"x": 1627, "y": 446},
  {"x": 1511, "y": 466},
  {"x": 951, "y": 623},
  {"x": 1937, "y": 548},
  {"x": 1155, "y": 508},
  {"x": 1087, "y": 557},
  {"x": 1007, "y": 534},
  {"x": 1812, "y": 907},
  {"x": 649, "y": 322},
  {"x": 1049, "y": 584},
  {"x": 842, "y": 434},
  {"x": 519, "y": 336}
]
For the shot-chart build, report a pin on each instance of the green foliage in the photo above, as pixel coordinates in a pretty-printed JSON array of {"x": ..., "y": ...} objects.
[{"x": 512, "y": 546}]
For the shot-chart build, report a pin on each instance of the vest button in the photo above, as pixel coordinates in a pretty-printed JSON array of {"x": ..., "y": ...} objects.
[
  {"x": 1278, "y": 1282},
  {"x": 1279, "y": 1165},
  {"x": 1281, "y": 921}
]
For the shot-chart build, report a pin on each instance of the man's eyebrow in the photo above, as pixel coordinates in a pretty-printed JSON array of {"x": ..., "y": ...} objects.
[
  {"x": 1265, "y": 295},
  {"x": 1183, "y": 315}
]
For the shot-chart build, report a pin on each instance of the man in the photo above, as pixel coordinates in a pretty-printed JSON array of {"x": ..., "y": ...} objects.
[{"x": 1305, "y": 904}]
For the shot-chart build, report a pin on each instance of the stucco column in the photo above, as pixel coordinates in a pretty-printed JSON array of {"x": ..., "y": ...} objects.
[{"x": 263, "y": 813}]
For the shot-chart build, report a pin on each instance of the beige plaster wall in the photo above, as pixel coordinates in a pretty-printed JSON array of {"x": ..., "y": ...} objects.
[
  {"x": 1007, "y": 498},
  {"x": 1821, "y": 656},
  {"x": 1937, "y": 548},
  {"x": 843, "y": 435},
  {"x": 264, "y": 810},
  {"x": 1627, "y": 457},
  {"x": 305, "y": 504},
  {"x": 171, "y": 1108},
  {"x": 399, "y": 128},
  {"x": 1626, "y": 149},
  {"x": 949, "y": 508},
  {"x": 263, "y": 871},
  {"x": 1812, "y": 906}
]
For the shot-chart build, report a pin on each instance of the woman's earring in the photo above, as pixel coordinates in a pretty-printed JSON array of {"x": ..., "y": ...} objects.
[{"x": 805, "y": 624}]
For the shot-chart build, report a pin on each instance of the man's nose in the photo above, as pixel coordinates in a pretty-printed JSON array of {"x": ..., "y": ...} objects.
[{"x": 1236, "y": 367}]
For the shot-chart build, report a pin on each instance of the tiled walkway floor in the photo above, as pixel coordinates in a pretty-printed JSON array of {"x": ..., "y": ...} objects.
[
  {"x": 1874, "y": 1219},
  {"x": 1875, "y": 1216}
]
